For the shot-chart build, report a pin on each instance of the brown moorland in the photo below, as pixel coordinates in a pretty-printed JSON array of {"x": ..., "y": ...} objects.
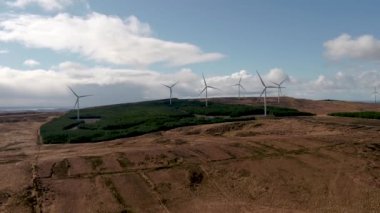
[{"x": 302, "y": 164}]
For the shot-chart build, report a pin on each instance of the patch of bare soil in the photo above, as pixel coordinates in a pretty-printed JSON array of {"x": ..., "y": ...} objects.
[{"x": 305, "y": 164}]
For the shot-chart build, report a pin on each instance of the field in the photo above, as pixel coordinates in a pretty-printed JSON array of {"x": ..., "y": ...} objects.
[
  {"x": 278, "y": 164},
  {"x": 126, "y": 120}
]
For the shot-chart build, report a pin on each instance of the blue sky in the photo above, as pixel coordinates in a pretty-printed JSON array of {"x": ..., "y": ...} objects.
[{"x": 327, "y": 49}]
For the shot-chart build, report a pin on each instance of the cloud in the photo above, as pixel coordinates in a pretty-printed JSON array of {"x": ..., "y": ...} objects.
[
  {"x": 345, "y": 82},
  {"x": 101, "y": 38},
  {"x": 48, "y": 87},
  {"x": 48, "y": 5},
  {"x": 110, "y": 85},
  {"x": 31, "y": 63},
  {"x": 277, "y": 75},
  {"x": 364, "y": 47},
  {"x": 4, "y": 51},
  {"x": 250, "y": 82}
]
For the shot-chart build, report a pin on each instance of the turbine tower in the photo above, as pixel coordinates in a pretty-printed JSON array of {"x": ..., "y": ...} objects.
[
  {"x": 375, "y": 92},
  {"x": 239, "y": 86},
  {"x": 205, "y": 89},
  {"x": 265, "y": 93},
  {"x": 279, "y": 87},
  {"x": 77, "y": 101},
  {"x": 171, "y": 90}
]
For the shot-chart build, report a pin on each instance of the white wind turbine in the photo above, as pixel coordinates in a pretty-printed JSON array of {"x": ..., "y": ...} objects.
[
  {"x": 279, "y": 87},
  {"x": 77, "y": 101},
  {"x": 205, "y": 89},
  {"x": 375, "y": 92},
  {"x": 171, "y": 90},
  {"x": 265, "y": 93},
  {"x": 239, "y": 87}
]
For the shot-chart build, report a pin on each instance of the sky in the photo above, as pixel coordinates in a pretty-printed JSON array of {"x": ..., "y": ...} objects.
[{"x": 123, "y": 51}]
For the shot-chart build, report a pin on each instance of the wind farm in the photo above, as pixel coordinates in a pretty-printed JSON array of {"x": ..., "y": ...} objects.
[
  {"x": 157, "y": 154},
  {"x": 180, "y": 154}
]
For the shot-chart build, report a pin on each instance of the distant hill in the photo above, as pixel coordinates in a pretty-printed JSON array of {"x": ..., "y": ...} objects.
[{"x": 318, "y": 107}]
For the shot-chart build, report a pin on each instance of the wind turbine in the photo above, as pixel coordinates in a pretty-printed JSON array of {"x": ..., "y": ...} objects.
[
  {"x": 279, "y": 89},
  {"x": 239, "y": 86},
  {"x": 205, "y": 88},
  {"x": 265, "y": 93},
  {"x": 77, "y": 101},
  {"x": 375, "y": 92},
  {"x": 171, "y": 90}
]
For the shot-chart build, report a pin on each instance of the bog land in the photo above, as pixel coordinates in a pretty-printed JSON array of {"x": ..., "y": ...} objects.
[{"x": 279, "y": 164}]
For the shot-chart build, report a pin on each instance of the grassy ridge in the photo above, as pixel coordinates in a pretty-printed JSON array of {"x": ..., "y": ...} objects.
[
  {"x": 368, "y": 115},
  {"x": 125, "y": 120}
]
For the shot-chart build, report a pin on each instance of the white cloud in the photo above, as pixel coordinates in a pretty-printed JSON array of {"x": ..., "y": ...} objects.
[
  {"x": 101, "y": 38},
  {"x": 3, "y": 51},
  {"x": 48, "y": 5},
  {"x": 48, "y": 87},
  {"x": 363, "y": 47},
  {"x": 110, "y": 85},
  {"x": 31, "y": 63},
  {"x": 40, "y": 86},
  {"x": 345, "y": 81},
  {"x": 277, "y": 75},
  {"x": 249, "y": 81}
]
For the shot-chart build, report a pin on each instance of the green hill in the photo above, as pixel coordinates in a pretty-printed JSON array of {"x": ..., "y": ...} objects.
[
  {"x": 368, "y": 115},
  {"x": 125, "y": 120}
]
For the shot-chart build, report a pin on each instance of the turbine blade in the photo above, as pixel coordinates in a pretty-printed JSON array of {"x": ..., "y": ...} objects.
[
  {"x": 275, "y": 83},
  {"x": 203, "y": 90},
  {"x": 242, "y": 87},
  {"x": 72, "y": 91},
  {"x": 283, "y": 81},
  {"x": 76, "y": 103},
  {"x": 82, "y": 96},
  {"x": 261, "y": 95},
  {"x": 204, "y": 80},
  {"x": 262, "y": 82},
  {"x": 213, "y": 87},
  {"x": 271, "y": 87},
  {"x": 174, "y": 84},
  {"x": 165, "y": 85}
]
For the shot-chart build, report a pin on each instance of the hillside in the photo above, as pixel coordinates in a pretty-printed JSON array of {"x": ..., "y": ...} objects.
[
  {"x": 318, "y": 107},
  {"x": 127, "y": 120},
  {"x": 287, "y": 164}
]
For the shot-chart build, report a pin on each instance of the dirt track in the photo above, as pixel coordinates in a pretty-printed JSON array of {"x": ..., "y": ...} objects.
[{"x": 309, "y": 164}]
